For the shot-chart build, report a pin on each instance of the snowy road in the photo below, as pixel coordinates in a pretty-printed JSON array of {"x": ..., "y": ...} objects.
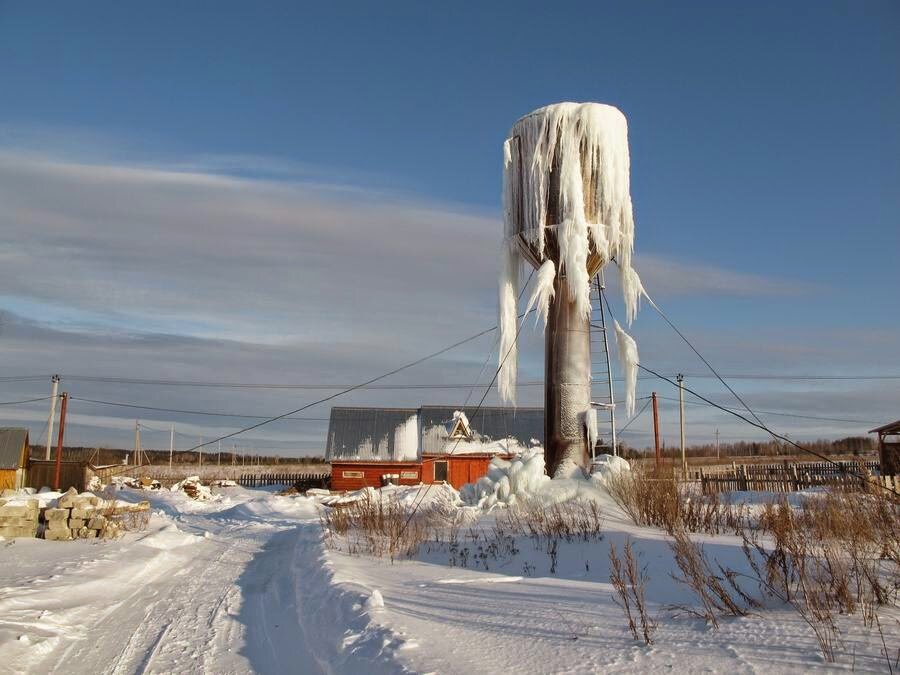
[
  {"x": 198, "y": 592},
  {"x": 245, "y": 585}
]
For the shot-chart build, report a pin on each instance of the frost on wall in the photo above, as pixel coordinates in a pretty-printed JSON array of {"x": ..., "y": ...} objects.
[{"x": 585, "y": 147}]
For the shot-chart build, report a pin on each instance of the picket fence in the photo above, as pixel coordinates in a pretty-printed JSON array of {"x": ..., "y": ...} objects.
[
  {"x": 301, "y": 481},
  {"x": 790, "y": 477}
]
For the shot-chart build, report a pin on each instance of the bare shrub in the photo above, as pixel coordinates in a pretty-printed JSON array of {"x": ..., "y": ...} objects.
[
  {"x": 630, "y": 584},
  {"x": 662, "y": 502},
  {"x": 709, "y": 584},
  {"x": 835, "y": 554},
  {"x": 546, "y": 526},
  {"x": 381, "y": 527},
  {"x": 574, "y": 520}
]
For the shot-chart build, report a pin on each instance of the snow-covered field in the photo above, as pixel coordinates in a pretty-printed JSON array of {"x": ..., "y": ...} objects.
[{"x": 245, "y": 583}]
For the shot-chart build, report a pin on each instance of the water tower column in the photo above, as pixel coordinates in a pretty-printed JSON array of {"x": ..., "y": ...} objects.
[{"x": 567, "y": 389}]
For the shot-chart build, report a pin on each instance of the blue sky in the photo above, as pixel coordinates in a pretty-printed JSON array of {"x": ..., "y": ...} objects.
[{"x": 216, "y": 178}]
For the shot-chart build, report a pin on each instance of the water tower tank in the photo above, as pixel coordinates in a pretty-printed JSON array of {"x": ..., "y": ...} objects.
[{"x": 567, "y": 212}]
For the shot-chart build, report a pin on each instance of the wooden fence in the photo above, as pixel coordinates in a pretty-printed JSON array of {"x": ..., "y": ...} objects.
[
  {"x": 789, "y": 477},
  {"x": 301, "y": 481}
]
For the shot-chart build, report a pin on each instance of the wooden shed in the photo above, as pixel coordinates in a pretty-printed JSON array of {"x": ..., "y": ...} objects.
[
  {"x": 889, "y": 448},
  {"x": 456, "y": 469},
  {"x": 356, "y": 474},
  {"x": 13, "y": 457}
]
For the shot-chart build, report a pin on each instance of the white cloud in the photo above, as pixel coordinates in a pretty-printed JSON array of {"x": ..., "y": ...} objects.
[{"x": 185, "y": 270}]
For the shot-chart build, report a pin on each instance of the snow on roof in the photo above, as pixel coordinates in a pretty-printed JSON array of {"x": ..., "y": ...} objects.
[{"x": 404, "y": 434}]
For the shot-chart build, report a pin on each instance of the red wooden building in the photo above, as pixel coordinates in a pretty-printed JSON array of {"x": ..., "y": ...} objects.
[{"x": 372, "y": 447}]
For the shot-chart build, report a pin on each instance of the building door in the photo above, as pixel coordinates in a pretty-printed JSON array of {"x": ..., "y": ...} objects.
[{"x": 440, "y": 471}]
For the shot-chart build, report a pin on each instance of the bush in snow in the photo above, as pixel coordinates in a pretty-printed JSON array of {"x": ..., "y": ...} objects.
[{"x": 663, "y": 502}]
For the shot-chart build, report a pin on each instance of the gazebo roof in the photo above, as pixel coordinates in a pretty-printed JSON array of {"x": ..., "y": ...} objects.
[{"x": 892, "y": 428}]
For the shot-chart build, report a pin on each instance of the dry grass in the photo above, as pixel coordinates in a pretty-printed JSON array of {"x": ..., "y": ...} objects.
[
  {"x": 380, "y": 527},
  {"x": 836, "y": 554},
  {"x": 630, "y": 584},
  {"x": 662, "y": 502}
]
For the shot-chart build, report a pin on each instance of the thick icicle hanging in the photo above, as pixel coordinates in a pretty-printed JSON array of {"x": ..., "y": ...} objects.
[
  {"x": 508, "y": 317},
  {"x": 543, "y": 292},
  {"x": 628, "y": 358},
  {"x": 590, "y": 423}
]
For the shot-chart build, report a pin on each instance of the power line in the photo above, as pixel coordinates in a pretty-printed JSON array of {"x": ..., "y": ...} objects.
[
  {"x": 774, "y": 434},
  {"x": 458, "y": 385},
  {"x": 29, "y": 400},
  {"x": 634, "y": 417},
  {"x": 781, "y": 414},
  {"x": 190, "y": 412},
  {"x": 353, "y": 388}
]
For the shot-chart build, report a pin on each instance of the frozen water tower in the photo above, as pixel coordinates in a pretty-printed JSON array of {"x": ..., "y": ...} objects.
[{"x": 568, "y": 213}]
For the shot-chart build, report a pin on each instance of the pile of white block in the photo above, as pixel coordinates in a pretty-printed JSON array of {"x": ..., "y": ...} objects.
[
  {"x": 18, "y": 515},
  {"x": 86, "y": 516}
]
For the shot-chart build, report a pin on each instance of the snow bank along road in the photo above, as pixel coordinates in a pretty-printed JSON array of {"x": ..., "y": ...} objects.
[
  {"x": 210, "y": 587},
  {"x": 244, "y": 584}
]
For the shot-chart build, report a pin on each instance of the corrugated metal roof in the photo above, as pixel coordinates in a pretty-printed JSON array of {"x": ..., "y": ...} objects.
[
  {"x": 406, "y": 433},
  {"x": 372, "y": 433},
  {"x": 12, "y": 442}
]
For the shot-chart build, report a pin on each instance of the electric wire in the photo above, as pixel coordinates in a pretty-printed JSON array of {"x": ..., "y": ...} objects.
[
  {"x": 28, "y": 400},
  {"x": 757, "y": 423},
  {"x": 780, "y": 414},
  {"x": 774, "y": 434},
  {"x": 420, "y": 497}
]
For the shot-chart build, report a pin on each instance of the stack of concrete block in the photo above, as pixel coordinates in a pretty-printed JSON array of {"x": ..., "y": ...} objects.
[
  {"x": 18, "y": 516},
  {"x": 86, "y": 516}
]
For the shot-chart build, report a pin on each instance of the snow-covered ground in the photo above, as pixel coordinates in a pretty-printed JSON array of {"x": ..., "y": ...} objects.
[{"x": 244, "y": 583}]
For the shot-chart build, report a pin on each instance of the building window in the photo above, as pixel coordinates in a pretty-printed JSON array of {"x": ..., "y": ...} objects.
[
  {"x": 352, "y": 474},
  {"x": 440, "y": 471}
]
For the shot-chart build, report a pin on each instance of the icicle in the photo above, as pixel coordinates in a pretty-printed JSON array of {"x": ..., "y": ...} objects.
[
  {"x": 632, "y": 290},
  {"x": 508, "y": 354},
  {"x": 543, "y": 291},
  {"x": 587, "y": 143},
  {"x": 590, "y": 423},
  {"x": 628, "y": 358}
]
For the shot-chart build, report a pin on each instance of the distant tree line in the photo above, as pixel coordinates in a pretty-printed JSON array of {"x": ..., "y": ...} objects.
[
  {"x": 852, "y": 445},
  {"x": 104, "y": 456}
]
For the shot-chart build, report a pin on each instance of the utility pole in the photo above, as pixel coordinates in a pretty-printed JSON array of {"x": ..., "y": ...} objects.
[
  {"x": 219, "y": 454},
  {"x": 54, "y": 388},
  {"x": 717, "y": 444},
  {"x": 137, "y": 442},
  {"x": 171, "y": 444},
  {"x": 59, "y": 442},
  {"x": 680, "y": 380},
  {"x": 656, "y": 428},
  {"x": 201, "y": 452}
]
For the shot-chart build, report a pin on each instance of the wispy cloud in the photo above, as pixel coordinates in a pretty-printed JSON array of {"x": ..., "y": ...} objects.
[{"x": 229, "y": 268}]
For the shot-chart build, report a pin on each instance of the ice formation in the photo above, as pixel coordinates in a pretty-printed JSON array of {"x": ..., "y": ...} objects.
[
  {"x": 590, "y": 423},
  {"x": 606, "y": 467},
  {"x": 508, "y": 353},
  {"x": 628, "y": 358},
  {"x": 587, "y": 144},
  {"x": 507, "y": 480},
  {"x": 543, "y": 291}
]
